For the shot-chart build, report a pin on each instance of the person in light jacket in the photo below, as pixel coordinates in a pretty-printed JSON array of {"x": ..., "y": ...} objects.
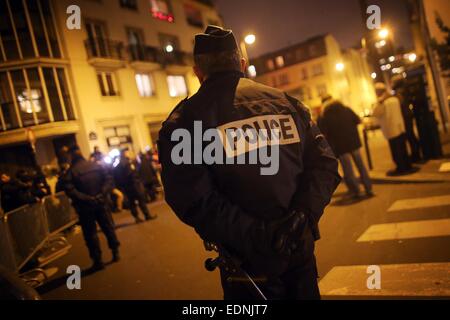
[{"x": 389, "y": 115}]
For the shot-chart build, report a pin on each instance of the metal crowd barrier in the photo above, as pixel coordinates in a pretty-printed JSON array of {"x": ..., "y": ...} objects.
[{"x": 28, "y": 229}]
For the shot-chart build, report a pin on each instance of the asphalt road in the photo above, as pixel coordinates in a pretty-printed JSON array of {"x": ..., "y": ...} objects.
[{"x": 163, "y": 259}]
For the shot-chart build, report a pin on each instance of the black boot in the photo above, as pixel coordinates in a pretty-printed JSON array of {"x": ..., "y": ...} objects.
[
  {"x": 97, "y": 265},
  {"x": 116, "y": 255}
]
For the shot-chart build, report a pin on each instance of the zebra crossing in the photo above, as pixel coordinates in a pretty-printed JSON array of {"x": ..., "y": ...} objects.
[{"x": 397, "y": 280}]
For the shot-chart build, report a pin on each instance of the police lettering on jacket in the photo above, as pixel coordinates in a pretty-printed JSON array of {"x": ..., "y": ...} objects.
[{"x": 253, "y": 140}]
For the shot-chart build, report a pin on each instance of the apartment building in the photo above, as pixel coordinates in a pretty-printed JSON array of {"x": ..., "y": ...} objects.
[
  {"x": 317, "y": 67},
  {"x": 110, "y": 83}
]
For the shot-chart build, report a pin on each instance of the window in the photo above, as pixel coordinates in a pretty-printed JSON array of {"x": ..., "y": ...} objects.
[
  {"x": 312, "y": 50},
  {"x": 284, "y": 79},
  {"x": 36, "y": 96},
  {"x": 107, "y": 82},
  {"x": 7, "y": 34},
  {"x": 145, "y": 84},
  {"x": 304, "y": 74},
  {"x": 162, "y": 10},
  {"x": 322, "y": 90},
  {"x": 38, "y": 28},
  {"x": 274, "y": 82},
  {"x": 30, "y": 87},
  {"x": 23, "y": 97},
  {"x": 62, "y": 79},
  {"x": 270, "y": 65},
  {"x": 300, "y": 54},
  {"x": 279, "y": 61},
  {"x": 177, "y": 86},
  {"x": 7, "y": 104},
  {"x": 118, "y": 137},
  {"x": 129, "y": 4},
  {"x": 23, "y": 32},
  {"x": 97, "y": 39},
  {"x": 50, "y": 27},
  {"x": 136, "y": 44},
  {"x": 193, "y": 15},
  {"x": 317, "y": 69}
]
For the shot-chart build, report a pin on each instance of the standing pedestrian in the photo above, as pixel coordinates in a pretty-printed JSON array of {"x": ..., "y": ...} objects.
[
  {"x": 339, "y": 124},
  {"x": 127, "y": 179},
  {"x": 408, "y": 118},
  {"x": 389, "y": 114},
  {"x": 88, "y": 185}
]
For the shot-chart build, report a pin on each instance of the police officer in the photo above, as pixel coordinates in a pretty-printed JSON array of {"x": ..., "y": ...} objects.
[
  {"x": 128, "y": 180},
  {"x": 269, "y": 221},
  {"x": 88, "y": 185}
]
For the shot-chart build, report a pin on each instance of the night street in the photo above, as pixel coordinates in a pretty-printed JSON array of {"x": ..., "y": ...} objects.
[
  {"x": 163, "y": 259},
  {"x": 307, "y": 142}
]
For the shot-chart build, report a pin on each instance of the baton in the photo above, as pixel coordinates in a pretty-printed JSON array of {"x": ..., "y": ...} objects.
[{"x": 230, "y": 263}]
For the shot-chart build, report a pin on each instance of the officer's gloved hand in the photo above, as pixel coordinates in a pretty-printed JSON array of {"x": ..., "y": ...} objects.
[
  {"x": 287, "y": 232},
  {"x": 100, "y": 199}
]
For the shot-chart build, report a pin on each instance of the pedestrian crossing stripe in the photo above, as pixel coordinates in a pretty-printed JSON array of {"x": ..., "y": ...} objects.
[
  {"x": 419, "y": 203},
  {"x": 397, "y": 280},
  {"x": 445, "y": 167},
  {"x": 406, "y": 230}
]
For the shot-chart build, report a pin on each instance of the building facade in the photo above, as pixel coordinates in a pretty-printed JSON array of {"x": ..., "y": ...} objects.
[
  {"x": 315, "y": 68},
  {"x": 109, "y": 83}
]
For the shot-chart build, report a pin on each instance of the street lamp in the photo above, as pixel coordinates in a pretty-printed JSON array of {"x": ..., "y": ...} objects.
[
  {"x": 383, "y": 33},
  {"x": 249, "y": 40},
  {"x": 340, "y": 66},
  {"x": 412, "y": 57}
]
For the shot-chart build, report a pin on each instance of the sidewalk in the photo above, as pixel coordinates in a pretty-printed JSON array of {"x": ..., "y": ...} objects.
[{"x": 431, "y": 171}]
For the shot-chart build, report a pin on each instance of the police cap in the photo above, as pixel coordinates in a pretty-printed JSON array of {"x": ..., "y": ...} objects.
[{"x": 213, "y": 40}]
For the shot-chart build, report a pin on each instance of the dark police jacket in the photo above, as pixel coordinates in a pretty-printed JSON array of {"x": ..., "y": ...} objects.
[
  {"x": 85, "y": 181},
  {"x": 222, "y": 201},
  {"x": 127, "y": 177}
]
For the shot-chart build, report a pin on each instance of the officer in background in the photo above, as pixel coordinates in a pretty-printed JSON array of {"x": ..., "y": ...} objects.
[
  {"x": 127, "y": 179},
  {"x": 88, "y": 185},
  {"x": 269, "y": 221}
]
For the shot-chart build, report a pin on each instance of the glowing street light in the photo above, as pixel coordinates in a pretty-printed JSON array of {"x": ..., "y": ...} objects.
[
  {"x": 340, "y": 66},
  {"x": 169, "y": 48},
  {"x": 383, "y": 33},
  {"x": 374, "y": 75},
  {"x": 412, "y": 57},
  {"x": 250, "y": 39}
]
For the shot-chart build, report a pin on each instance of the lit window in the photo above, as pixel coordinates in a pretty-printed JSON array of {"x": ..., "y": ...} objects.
[
  {"x": 279, "y": 61},
  {"x": 193, "y": 16},
  {"x": 270, "y": 65},
  {"x": 145, "y": 85},
  {"x": 322, "y": 90},
  {"x": 161, "y": 10},
  {"x": 107, "y": 83},
  {"x": 177, "y": 86},
  {"x": 29, "y": 101},
  {"x": 129, "y": 4},
  {"x": 304, "y": 74},
  {"x": 283, "y": 79},
  {"x": 317, "y": 69}
]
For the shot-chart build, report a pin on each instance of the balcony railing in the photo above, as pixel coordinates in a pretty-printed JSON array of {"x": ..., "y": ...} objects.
[
  {"x": 145, "y": 54},
  {"x": 178, "y": 57},
  {"x": 104, "y": 48}
]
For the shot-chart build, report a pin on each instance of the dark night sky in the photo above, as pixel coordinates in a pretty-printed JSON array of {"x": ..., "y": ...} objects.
[{"x": 278, "y": 23}]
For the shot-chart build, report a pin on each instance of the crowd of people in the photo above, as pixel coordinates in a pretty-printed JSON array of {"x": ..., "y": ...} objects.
[
  {"x": 30, "y": 185},
  {"x": 26, "y": 187},
  {"x": 339, "y": 124}
]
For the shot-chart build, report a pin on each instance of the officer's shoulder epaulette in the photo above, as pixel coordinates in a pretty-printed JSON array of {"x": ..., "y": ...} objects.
[{"x": 175, "y": 113}]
